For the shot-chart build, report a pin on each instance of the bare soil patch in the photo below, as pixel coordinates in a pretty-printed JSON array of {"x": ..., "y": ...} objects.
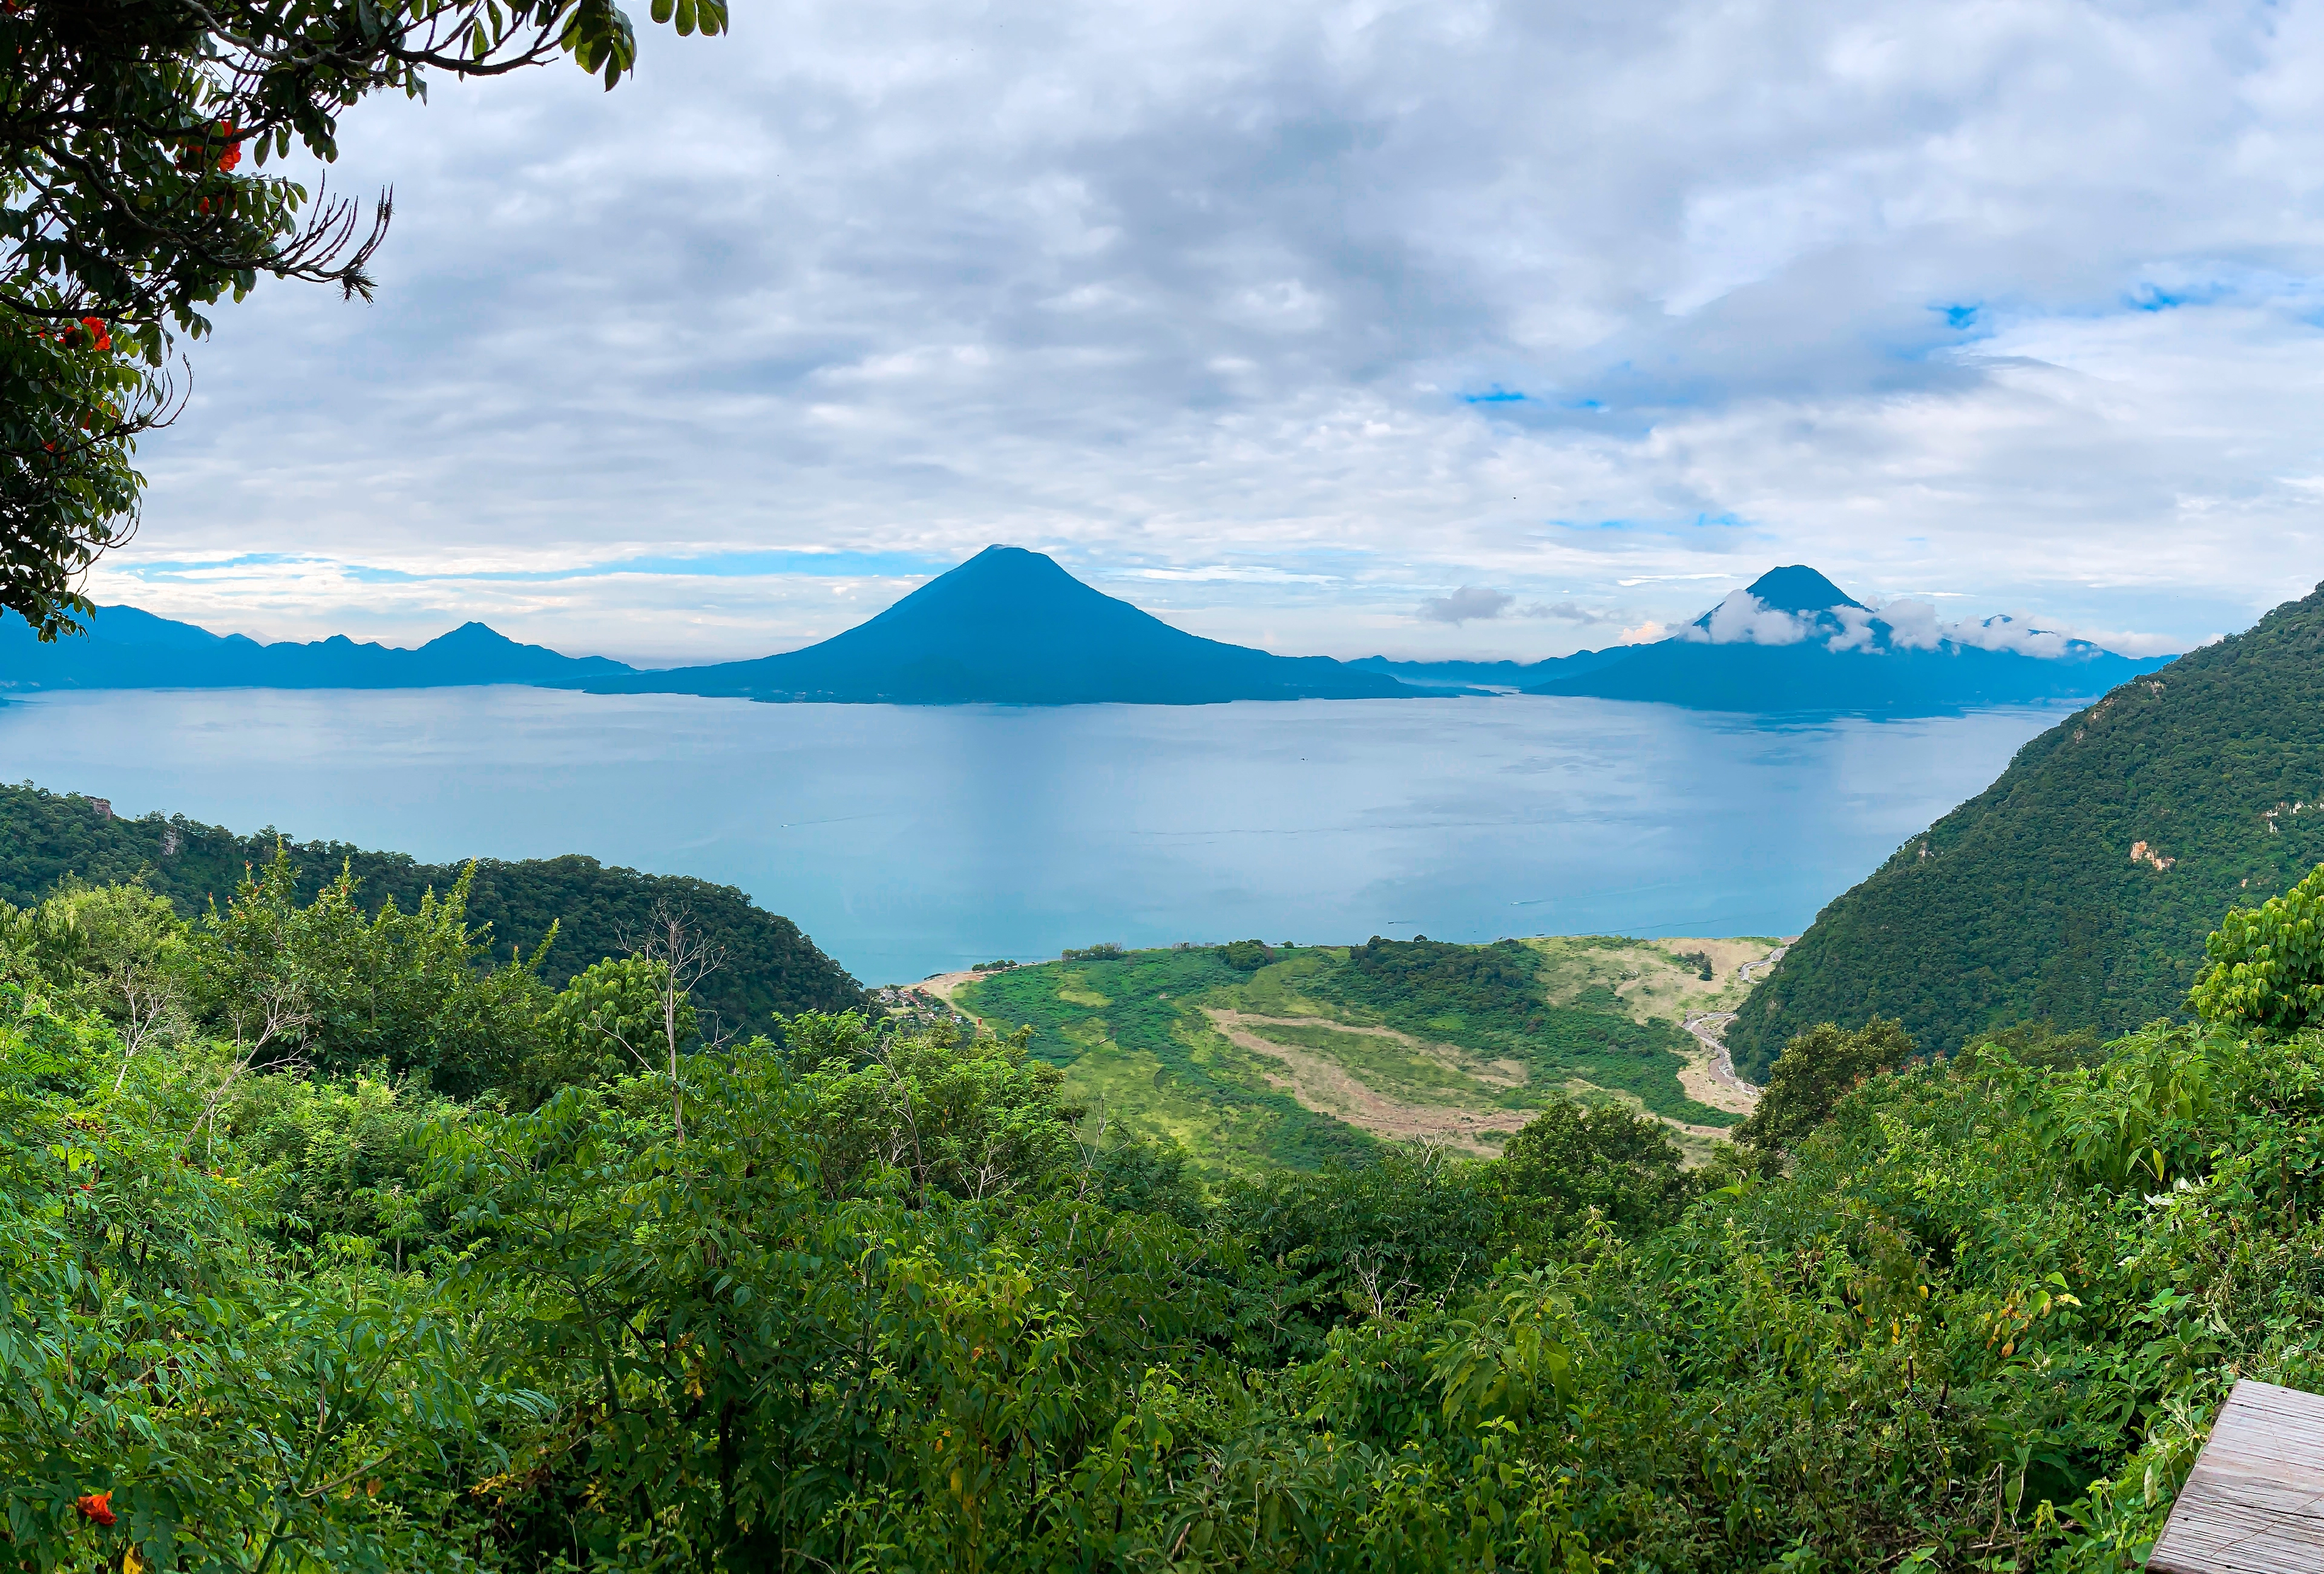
[
  {"x": 1500, "y": 1073},
  {"x": 1328, "y": 1088}
]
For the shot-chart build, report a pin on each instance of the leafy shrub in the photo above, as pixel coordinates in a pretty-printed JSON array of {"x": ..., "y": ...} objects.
[
  {"x": 1575, "y": 1161},
  {"x": 1815, "y": 1072},
  {"x": 879, "y": 1303},
  {"x": 2267, "y": 972}
]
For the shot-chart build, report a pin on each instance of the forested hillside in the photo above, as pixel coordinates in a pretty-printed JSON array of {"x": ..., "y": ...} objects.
[
  {"x": 293, "y": 1288},
  {"x": 2076, "y": 888},
  {"x": 769, "y": 965}
]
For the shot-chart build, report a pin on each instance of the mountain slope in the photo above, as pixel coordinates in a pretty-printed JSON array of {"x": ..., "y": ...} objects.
[
  {"x": 1793, "y": 641},
  {"x": 2077, "y": 888},
  {"x": 770, "y": 967},
  {"x": 127, "y": 648},
  {"x": 1010, "y": 627},
  {"x": 1807, "y": 677}
]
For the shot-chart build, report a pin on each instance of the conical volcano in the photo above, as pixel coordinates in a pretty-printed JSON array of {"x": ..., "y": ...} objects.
[
  {"x": 1800, "y": 590},
  {"x": 1009, "y": 626},
  {"x": 1794, "y": 640}
]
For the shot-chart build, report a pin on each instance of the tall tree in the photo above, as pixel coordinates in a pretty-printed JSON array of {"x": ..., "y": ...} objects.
[{"x": 134, "y": 136}]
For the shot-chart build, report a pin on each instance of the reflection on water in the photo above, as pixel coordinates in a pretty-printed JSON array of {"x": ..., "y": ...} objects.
[{"x": 909, "y": 840}]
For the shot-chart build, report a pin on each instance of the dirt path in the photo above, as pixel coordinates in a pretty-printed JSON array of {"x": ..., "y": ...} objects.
[
  {"x": 1500, "y": 1073},
  {"x": 1327, "y": 1088},
  {"x": 1715, "y": 1082}
]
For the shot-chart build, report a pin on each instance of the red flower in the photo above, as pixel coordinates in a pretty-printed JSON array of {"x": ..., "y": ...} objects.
[
  {"x": 233, "y": 154},
  {"x": 95, "y": 326},
  {"x": 96, "y": 1505}
]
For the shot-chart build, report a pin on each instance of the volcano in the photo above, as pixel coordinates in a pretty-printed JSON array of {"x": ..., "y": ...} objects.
[
  {"x": 1010, "y": 627},
  {"x": 1793, "y": 641}
]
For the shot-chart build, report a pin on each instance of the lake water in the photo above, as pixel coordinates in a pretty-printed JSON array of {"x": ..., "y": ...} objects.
[{"x": 910, "y": 840}]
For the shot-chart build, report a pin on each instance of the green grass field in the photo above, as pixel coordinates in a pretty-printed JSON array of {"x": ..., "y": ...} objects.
[{"x": 1325, "y": 1051}]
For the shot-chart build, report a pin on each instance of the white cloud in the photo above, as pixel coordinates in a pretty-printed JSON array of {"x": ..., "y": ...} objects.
[
  {"x": 1573, "y": 612},
  {"x": 1743, "y": 620},
  {"x": 1856, "y": 631},
  {"x": 2002, "y": 632},
  {"x": 1896, "y": 290},
  {"x": 1912, "y": 625},
  {"x": 1469, "y": 602},
  {"x": 1248, "y": 574}
]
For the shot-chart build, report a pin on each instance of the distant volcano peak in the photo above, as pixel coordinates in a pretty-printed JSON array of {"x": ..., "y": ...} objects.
[
  {"x": 1012, "y": 627},
  {"x": 1800, "y": 590},
  {"x": 1010, "y": 565}
]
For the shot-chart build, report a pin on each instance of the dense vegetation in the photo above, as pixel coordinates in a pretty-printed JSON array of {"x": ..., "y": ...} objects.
[
  {"x": 1489, "y": 999},
  {"x": 769, "y": 968},
  {"x": 2074, "y": 890},
  {"x": 875, "y": 1301}
]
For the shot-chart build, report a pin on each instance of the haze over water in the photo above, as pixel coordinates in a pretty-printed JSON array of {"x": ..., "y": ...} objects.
[{"x": 911, "y": 841}]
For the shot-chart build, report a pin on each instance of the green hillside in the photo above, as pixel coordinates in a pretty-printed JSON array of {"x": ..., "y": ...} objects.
[
  {"x": 770, "y": 966},
  {"x": 877, "y": 1299},
  {"x": 1301, "y": 1055},
  {"x": 2077, "y": 888}
]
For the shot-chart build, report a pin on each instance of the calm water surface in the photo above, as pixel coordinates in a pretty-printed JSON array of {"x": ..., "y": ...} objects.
[{"x": 909, "y": 840}]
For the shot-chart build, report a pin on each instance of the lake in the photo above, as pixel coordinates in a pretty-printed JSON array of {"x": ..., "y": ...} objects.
[{"x": 912, "y": 841}]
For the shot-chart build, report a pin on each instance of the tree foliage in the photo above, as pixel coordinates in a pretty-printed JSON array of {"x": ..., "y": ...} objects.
[
  {"x": 1815, "y": 1072},
  {"x": 2266, "y": 976},
  {"x": 134, "y": 194},
  {"x": 771, "y": 968},
  {"x": 893, "y": 1302},
  {"x": 1575, "y": 1163}
]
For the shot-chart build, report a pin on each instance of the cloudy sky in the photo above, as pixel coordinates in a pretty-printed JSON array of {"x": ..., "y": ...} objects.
[{"x": 1445, "y": 327}]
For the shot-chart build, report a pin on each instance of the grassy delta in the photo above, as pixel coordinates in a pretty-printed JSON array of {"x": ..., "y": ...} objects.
[{"x": 1249, "y": 1056}]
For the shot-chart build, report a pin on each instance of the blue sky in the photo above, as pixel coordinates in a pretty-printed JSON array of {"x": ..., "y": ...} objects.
[{"x": 1293, "y": 323}]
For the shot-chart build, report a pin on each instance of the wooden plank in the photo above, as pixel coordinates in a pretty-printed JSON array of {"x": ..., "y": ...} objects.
[{"x": 2254, "y": 1503}]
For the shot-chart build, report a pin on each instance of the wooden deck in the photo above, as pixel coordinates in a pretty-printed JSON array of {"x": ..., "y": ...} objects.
[{"x": 2254, "y": 1502}]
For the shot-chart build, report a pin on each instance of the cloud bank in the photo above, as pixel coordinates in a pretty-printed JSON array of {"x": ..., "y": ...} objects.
[
  {"x": 1279, "y": 321},
  {"x": 1905, "y": 624}
]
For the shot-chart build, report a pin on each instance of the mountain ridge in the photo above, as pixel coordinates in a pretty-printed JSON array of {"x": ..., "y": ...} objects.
[
  {"x": 127, "y": 647},
  {"x": 1012, "y": 627},
  {"x": 2077, "y": 888}
]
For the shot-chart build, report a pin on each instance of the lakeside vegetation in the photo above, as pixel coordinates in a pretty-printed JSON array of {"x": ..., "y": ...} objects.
[
  {"x": 295, "y": 1286},
  {"x": 1247, "y": 1056}
]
